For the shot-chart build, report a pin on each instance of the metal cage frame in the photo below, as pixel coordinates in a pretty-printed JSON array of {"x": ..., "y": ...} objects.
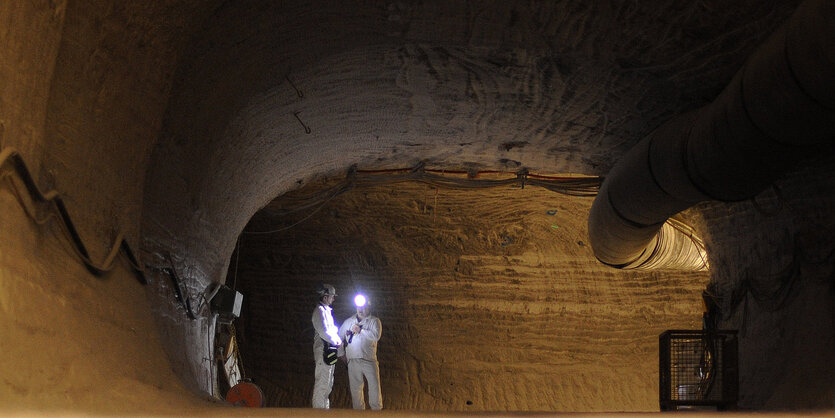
[{"x": 698, "y": 369}]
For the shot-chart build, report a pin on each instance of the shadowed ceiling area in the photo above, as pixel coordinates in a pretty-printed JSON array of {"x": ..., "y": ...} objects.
[
  {"x": 212, "y": 135},
  {"x": 556, "y": 87}
]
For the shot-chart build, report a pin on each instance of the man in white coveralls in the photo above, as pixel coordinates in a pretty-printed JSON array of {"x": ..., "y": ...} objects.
[
  {"x": 326, "y": 338},
  {"x": 360, "y": 334}
]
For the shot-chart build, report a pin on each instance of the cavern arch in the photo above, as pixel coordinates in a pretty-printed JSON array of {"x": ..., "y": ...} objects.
[{"x": 175, "y": 122}]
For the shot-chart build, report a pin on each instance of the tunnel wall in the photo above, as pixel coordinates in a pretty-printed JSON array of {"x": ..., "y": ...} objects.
[
  {"x": 83, "y": 88},
  {"x": 773, "y": 280},
  {"x": 489, "y": 301}
]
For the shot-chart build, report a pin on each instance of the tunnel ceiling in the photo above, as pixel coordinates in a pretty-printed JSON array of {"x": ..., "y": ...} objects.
[{"x": 549, "y": 86}]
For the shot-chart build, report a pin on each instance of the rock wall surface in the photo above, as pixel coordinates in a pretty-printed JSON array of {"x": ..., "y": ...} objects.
[
  {"x": 83, "y": 86},
  {"x": 490, "y": 299},
  {"x": 772, "y": 271}
]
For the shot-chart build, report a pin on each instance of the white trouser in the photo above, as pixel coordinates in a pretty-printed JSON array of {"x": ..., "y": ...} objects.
[
  {"x": 323, "y": 383},
  {"x": 357, "y": 369}
]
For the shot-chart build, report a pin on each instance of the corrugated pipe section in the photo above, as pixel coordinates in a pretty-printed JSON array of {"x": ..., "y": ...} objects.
[{"x": 777, "y": 110}]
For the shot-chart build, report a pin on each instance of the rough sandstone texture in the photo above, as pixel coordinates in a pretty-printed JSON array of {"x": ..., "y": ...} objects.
[
  {"x": 175, "y": 121},
  {"x": 83, "y": 105},
  {"x": 487, "y": 297}
]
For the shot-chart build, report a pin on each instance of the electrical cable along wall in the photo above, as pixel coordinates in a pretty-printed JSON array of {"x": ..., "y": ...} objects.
[
  {"x": 779, "y": 108},
  {"x": 53, "y": 204},
  {"x": 579, "y": 186},
  {"x": 53, "y": 199}
]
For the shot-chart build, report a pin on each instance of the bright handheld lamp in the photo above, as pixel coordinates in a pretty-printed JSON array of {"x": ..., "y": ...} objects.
[{"x": 359, "y": 300}]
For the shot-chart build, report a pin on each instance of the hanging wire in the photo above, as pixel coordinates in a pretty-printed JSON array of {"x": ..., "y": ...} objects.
[
  {"x": 567, "y": 185},
  {"x": 690, "y": 233},
  {"x": 237, "y": 258},
  {"x": 298, "y": 92},
  {"x": 321, "y": 205},
  {"x": 306, "y": 128}
]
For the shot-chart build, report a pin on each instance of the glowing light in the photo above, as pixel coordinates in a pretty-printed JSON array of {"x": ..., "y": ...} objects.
[{"x": 359, "y": 300}]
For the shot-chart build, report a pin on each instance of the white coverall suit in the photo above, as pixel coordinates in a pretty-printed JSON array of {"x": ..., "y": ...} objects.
[
  {"x": 361, "y": 353},
  {"x": 326, "y": 333}
]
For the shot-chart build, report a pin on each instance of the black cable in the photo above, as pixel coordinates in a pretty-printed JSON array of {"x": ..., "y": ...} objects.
[
  {"x": 581, "y": 187},
  {"x": 54, "y": 200}
]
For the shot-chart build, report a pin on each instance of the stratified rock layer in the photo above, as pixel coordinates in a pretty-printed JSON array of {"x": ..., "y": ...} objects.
[{"x": 491, "y": 300}]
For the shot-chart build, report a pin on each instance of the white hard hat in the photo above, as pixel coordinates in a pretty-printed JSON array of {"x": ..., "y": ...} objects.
[{"x": 324, "y": 289}]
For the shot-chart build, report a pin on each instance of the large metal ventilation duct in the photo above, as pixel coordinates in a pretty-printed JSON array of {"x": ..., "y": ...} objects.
[{"x": 779, "y": 108}]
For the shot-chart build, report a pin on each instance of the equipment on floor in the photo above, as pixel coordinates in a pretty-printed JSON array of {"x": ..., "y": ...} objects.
[
  {"x": 698, "y": 370},
  {"x": 246, "y": 394}
]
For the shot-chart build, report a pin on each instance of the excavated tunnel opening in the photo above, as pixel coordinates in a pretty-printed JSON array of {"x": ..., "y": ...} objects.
[
  {"x": 490, "y": 299},
  {"x": 173, "y": 123}
]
